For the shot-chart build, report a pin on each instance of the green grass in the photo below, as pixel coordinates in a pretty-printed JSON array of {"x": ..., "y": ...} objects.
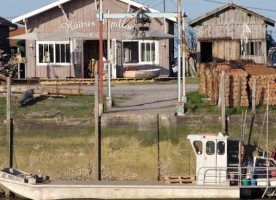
[
  {"x": 188, "y": 80},
  {"x": 195, "y": 106}
]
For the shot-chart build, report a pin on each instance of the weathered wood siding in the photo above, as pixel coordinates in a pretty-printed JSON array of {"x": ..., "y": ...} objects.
[
  {"x": 225, "y": 29},
  {"x": 82, "y": 18}
]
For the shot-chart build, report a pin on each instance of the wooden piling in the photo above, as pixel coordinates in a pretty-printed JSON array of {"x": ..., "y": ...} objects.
[
  {"x": 239, "y": 94},
  {"x": 254, "y": 96},
  {"x": 9, "y": 133},
  {"x": 223, "y": 102},
  {"x": 97, "y": 131}
]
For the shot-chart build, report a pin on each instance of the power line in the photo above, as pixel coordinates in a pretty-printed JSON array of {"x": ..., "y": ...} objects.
[{"x": 263, "y": 9}]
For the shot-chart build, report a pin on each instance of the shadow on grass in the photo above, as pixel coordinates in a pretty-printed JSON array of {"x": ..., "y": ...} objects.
[{"x": 33, "y": 101}]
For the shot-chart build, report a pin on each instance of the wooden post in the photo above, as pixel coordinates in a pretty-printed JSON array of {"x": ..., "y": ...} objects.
[
  {"x": 254, "y": 96},
  {"x": 97, "y": 131},
  {"x": 239, "y": 94},
  {"x": 223, "y": 102},
  {"x": 9, "y": 142},
  {"x": 220, "y": 90},
  {"x": 158, "y": 149}
]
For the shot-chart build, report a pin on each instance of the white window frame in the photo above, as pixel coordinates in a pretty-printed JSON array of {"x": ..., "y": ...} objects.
[
  {"x": 54, "y": 49},
  {"x": 156, "y": 62}
]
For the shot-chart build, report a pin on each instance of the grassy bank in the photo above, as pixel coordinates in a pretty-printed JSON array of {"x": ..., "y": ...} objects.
[{"x": 82, "y": 107}]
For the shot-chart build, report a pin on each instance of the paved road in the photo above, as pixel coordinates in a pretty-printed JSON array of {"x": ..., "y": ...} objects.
[{"x": 150, "y": 99}]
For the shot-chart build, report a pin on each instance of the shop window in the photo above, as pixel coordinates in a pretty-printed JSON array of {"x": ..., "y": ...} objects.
[
  {"x": 198, "y": 147},
  {"x": 53, "y": 52},
  {"x": 210, "y": 147},
  {"x": 221, "y": 148},
  {"x": 140, "y": 52},
  {"x": 254, "y": 48}
]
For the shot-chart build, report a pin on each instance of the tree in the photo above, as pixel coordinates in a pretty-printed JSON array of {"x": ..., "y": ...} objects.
[{"x": 9, "y": 63}]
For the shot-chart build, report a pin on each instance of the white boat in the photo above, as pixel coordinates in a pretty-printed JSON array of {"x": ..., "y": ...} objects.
[
  {"x": 219, "y": 174},
  {"x": 149, "y": 73}
]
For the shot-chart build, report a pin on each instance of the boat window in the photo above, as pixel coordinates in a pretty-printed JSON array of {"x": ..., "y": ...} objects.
[
  {"x": 198, "y": 147},
  {"x": 210, "y": 147},
  {"x": 221, "y": 148}
]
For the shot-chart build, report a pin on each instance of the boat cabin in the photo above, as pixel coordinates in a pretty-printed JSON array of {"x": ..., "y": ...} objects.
[{"x": 213, "y": 157}]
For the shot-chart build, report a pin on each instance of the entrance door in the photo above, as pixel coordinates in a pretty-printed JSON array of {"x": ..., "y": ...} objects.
[
  {"x": 210, "y": 162},
  {"x": 206, "y": 51},
  {"x": 78, "y": 58}
]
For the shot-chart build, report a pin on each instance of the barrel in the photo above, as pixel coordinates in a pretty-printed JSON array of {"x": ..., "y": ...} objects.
[
  {"x": 253, "y": 181},
  {"x": 245, "y": 181}
]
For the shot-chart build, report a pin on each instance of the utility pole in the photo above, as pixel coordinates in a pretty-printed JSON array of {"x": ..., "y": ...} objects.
[
  {"x": 180, "y": 104},
  {"x": 164, "y": 6}
]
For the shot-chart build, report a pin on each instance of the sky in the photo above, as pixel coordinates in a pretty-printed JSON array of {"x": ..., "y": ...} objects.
[{"x": 13, "y": 8}]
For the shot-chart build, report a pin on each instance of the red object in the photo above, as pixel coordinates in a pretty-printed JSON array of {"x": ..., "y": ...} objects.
[
  {"x": 130, "y": 68},
  {"x": 273, "y": 174},
  {"x": 242, "y": 151}
]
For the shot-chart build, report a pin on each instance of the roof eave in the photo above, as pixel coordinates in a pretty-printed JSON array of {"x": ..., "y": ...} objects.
[
  {"x": 194, "y": 22},
  {"x": 20, "y": 19}
]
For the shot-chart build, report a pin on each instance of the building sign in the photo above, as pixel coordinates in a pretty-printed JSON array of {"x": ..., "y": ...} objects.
[{"x": 73, "y": 26}]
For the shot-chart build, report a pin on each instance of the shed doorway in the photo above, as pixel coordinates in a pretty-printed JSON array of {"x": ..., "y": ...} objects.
[{"x": 206, "y": 52}]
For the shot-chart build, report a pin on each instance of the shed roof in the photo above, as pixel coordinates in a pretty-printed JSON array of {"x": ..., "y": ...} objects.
[
  {"x": 20, "y": 19},
  {"x": 4, "y": 22},
  {"x": 194, "y": 22}
]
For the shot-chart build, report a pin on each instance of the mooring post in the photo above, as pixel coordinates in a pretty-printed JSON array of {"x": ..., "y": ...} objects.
[
  {"x": 254, "y": 96},
  {"x": 158, "y": 149},
  {"x": 223, "y": 102},
  {"x": 9, "y": 146},
  {"x": 239, "y": 94},
  {"x": 97, "y": 131}
]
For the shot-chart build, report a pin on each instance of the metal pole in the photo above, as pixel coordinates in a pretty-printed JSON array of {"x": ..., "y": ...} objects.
[
  {"x": 108, "y": 98},
  {"x": 9, "y": 145},
  {"x": 101, "y": 57},
  {"x": 164, "y": 5},
  {"x": 97, "y": 130},
  {"x": 184, "y": 100},
  {"x": 179, "y": 52}
]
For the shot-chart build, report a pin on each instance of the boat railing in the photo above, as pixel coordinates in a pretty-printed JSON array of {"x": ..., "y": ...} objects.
[{"x": 259, "y": 177}]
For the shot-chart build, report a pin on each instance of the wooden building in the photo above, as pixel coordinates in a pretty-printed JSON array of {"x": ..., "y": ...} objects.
[
  {"x": 231, "y": 32},
  {"x": 57, "y": 58},
  {"x": 5, "y": 27}
]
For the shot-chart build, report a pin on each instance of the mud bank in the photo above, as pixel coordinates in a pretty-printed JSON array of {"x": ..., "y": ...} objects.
[{"x": 64, "y": 148}]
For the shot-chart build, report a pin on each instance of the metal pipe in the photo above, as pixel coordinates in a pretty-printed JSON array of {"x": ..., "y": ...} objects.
[
  {"x": 101, "y": 53},
  {"x": 179, "y": 52},
  {"x": 108, "y": 60},
  {"x": 183, "y": 59}
]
